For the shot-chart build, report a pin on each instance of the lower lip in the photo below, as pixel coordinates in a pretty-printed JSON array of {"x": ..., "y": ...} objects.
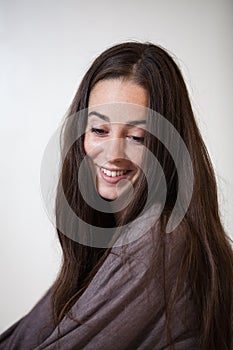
[{"x": 112, "y": 180}]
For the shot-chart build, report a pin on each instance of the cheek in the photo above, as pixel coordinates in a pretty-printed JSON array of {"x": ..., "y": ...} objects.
[
  {"x": 134, "y": 154},
  {"x": 91, "y": 147},
  {"x": 87, "y": 143}
]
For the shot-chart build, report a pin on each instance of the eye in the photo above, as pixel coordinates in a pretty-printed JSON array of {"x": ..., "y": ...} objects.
[
  {"x": 136, "y": 139},
  {"x": 99, "y": 132}
]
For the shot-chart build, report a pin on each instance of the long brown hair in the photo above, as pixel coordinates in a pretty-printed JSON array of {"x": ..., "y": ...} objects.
[{"x": 207, "y": 259}]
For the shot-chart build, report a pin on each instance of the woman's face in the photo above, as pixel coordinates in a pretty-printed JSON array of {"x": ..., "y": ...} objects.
[{"x": 115, "y": 134}]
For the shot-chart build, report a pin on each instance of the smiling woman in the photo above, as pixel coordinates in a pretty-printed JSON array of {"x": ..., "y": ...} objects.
[
  {"x": 133, "y": 276},
  {"x": 109, "y": 139}
]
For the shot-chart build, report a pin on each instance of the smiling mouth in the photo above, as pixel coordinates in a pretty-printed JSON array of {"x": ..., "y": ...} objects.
[{"x": 114, "y": 173}]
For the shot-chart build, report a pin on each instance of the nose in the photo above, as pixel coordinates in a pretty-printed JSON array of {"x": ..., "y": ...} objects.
[{"x": 115, "y": 149}]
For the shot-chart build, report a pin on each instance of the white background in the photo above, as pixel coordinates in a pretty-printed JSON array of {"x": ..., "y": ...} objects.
[{"x": 46, "y": 46}]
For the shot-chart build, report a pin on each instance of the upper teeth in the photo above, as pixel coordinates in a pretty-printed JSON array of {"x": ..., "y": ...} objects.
[{"x": 113, "y": 173}]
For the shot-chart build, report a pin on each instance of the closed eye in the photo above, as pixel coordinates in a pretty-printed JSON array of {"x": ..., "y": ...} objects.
[
  {"x": 99, "y": 131},
  {"x": 137, "y": 139},
  {"x": 102, "y": 132}
]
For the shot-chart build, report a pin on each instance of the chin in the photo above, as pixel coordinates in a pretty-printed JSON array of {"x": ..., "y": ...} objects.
[{"x": 108, "y": 195}]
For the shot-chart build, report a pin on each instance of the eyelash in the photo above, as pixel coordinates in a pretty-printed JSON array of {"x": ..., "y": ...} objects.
[
  {"x": 101, "y": 132},
  {"x": 98, "y": 131}
]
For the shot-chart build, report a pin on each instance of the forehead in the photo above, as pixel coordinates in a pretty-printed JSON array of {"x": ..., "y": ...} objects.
[
  {"x": 124, "y": 113},
  {"x": 119, "y": 100},
  {"x": 118, "y": 90}
]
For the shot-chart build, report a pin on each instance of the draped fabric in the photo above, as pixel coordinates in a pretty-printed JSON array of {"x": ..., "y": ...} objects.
[{"x": 122, "y": 308}]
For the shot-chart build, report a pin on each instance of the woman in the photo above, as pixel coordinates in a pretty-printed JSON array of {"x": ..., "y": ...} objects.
[{"x": 128, "y": 279}]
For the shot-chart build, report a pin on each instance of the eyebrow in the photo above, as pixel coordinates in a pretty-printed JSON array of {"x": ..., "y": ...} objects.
[{"x": 104, "y": 117}]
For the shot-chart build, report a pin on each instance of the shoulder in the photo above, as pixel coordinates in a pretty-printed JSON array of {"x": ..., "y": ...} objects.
[{"x": 146, "y": 239}]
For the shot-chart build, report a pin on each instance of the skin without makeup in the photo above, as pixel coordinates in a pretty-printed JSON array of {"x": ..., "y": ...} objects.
[{"x": 113, "y": 141}]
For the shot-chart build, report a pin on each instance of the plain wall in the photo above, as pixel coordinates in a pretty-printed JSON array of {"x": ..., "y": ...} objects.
[{"x": 46, "y": 46}]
